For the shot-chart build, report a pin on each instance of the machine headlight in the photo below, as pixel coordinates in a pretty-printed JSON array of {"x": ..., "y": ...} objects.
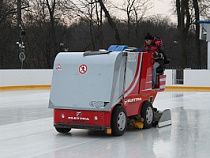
[{"x": 95, "y": 118}]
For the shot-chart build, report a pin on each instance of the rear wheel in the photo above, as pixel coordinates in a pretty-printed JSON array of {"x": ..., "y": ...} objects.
[
  {"x": 63, "y": 130},
  {"x": 147, "y": 113},
  {"x": 119, "y": 121}
]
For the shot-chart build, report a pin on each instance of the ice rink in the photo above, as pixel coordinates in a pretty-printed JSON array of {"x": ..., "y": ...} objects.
[{"x": 26, "y": 130}]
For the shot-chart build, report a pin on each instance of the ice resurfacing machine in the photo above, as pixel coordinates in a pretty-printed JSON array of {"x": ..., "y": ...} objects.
[{"x": 106, "y": 90}]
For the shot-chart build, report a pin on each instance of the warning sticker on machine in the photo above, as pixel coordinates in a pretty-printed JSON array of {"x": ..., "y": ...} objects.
[
  {"x": 58, "y": 67},
  {"x": 83, "y": 69}
]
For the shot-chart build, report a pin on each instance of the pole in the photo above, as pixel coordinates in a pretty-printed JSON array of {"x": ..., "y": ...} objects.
[
  {"x": 21, "y": 34},
  {"x": 208, "y": 48},
  {"x": 205, "y": 35},
  {"x": 208, "y": 55}
]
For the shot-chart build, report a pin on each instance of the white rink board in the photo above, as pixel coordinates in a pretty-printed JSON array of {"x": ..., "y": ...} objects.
[
  {"x": 25, "y": 77},
  {"x": 197, "y": 78},
  {"x": 192, "y": 78},
  {"x": 39, "y": 77}
]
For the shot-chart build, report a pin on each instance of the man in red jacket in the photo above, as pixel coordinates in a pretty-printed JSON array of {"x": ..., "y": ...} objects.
[{"x": 154, "y": 45}]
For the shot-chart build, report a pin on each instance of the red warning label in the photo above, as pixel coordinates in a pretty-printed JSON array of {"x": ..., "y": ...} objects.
[
  {"x": 58, "y": 67},
  {"x": 83, "y": 69}
]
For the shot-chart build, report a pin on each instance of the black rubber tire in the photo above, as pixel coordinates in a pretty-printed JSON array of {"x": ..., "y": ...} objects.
[
  {"x": 63, "y": 130},
  {"x": 147, "y": 113},
  {"x": 119, "y": 121}
]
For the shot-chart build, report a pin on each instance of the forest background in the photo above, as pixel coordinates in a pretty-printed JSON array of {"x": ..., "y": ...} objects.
[{"x": 45, "y": 27}]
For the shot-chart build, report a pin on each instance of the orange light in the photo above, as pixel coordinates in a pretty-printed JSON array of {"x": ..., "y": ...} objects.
[
  {"x": 142, "y": 119},
  {"x": 108, "y": 131}
]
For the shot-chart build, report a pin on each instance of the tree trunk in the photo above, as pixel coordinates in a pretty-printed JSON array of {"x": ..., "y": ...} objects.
[
  {"x": 53, "y": 42},
  {"x": 197, "y": 25},
  {"x": 99, "y": 26},
  {"x": 111, "y": 23},
  {"x": 183, "y": 18},
  {"x": 91, "y": 27},
  {"x": 19, "y": 13}
]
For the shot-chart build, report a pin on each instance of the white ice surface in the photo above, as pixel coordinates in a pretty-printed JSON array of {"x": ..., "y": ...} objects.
[{"x": 26, "y": 130}]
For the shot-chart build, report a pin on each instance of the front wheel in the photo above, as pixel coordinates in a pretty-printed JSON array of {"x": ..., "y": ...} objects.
[
  {"x": 147, "y": 113},
  {"x": 119, "y": 121},
  {"x": 62, "y": 130}
]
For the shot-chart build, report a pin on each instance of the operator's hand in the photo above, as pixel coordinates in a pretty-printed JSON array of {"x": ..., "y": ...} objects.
[{"x": 158, "y": 55}]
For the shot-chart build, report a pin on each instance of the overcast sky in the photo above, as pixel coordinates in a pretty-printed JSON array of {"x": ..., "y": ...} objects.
[{"x": 160, "y": 7}]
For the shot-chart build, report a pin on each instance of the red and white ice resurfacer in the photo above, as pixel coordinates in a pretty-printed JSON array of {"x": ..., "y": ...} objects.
[{"x": 106, "y": 90}]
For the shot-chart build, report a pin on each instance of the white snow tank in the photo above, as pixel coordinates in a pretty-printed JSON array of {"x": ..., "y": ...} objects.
[{"x": 91, "y": 80}]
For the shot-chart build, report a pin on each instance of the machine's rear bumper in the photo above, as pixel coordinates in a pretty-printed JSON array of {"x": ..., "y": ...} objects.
[
  {"x": 80, "y": 126},
  {"x": 64, "y": 118}
]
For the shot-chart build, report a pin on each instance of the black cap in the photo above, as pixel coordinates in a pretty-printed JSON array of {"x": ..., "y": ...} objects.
[{"x": 148, "y": 36}]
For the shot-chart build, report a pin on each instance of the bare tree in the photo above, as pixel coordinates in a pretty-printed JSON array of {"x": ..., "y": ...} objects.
[
  {"x": 135, "y": 11},
  {"x": 188, "y": 13},
  {"x": 183, "y": 17},
  {"x": 111, "y": 22},
  {"x": 51, "y": 5},
  {"x": 197, "y": 29},
  {"x": 204, "y": 8},
  {"x": 99, "y": 15},
  {"x": 90, "y": 12},
  {"x": 7, "y": 10},
  {"x": 42, "y": 17}
]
